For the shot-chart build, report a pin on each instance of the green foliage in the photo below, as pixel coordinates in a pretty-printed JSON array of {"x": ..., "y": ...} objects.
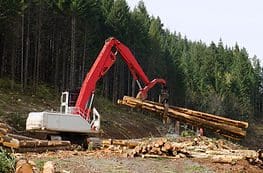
[
  {"x": 196, "y": 168},
  {"x": 46, "y": 92},
  {"x": 6, "y": 84},
  {"x": 16, "y": 120},
  {"x": 7, "y": 162},
  {"x": 90, "y": 146},
  {"x": 187, "y": 133}
]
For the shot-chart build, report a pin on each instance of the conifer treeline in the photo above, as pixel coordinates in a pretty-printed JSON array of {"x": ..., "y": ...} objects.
[{"x": 55, "y": 42}]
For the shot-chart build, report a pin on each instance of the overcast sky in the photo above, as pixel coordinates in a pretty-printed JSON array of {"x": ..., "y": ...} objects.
[{"x": 234, "y": 21}]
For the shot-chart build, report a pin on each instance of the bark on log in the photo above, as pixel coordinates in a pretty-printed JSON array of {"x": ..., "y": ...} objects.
[
  {"x": 7, "y": 127},
  {"x": 3, "y": 131},
  {"x": 226, "y": 159},
  {"x": 244, "y": 153},
  {"x": 127, "y": 143},
  {"x": 20, "y": 137},
  {"x": 157, "y": 156},
  {"x": 42, "y": 149},
  {"x": 42, "y": 143},
  {"x": 10, "y": 142}
]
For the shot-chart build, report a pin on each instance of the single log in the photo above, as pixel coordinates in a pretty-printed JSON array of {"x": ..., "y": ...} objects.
[
  {"x": 33, "y": 143},
  {"x": 7, "y": 127},
  {"x": 4, "y": 126},
  {"x": 155, "y": 150},
  {"x": 245, "y": 153},
  {"x": 3, "y": 131},
  {"x": 157, "y": 156},
  {"x": 58, "y": 143},
  {"x": 225, "y": 158},
  {"x": 42, "y": 149},
  {"x": 260, "y": 154},
  {"x": 167, "y": 147},
  {"x": 49, "y": 167},
  {"x": 160, "y": 142},
  {"x": 42, "y": 143},
  {"x": 128, "y": 143},
  {"x": 138, "y": 149},
  {"x": 23, "y": 166},
  {"x": 10, "y": 142},
  {"x": 144, "y": 150},
  {"x": 20, "y": 137}
]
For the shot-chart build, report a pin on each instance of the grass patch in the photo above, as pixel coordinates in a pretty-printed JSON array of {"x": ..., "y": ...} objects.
[
  {"x": 188, "y": 133},
  {"x": 16, "y": 120},
  {"x": 196, "y": 169},
  {"x": 15, "y": 104},
  {"x": 46, "y": 92},
  {"x": 7, "y": 162},
  {"x": 40, "y": 162}
]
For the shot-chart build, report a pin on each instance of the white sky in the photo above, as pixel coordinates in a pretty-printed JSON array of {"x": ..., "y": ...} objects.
[{"x": 234, "y": 21}]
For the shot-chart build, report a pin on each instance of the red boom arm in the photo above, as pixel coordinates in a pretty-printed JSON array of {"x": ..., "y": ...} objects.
[{"x": 105, "y": 60}]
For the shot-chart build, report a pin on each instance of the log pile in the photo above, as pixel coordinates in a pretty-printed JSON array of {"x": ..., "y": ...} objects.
[
  {"x": 20, "y": 143},
  {"x": 218, "y": 151},
  {"x": 224, "y": 126}
]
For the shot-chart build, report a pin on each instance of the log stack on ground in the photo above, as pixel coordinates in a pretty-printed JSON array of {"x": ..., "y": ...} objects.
[
  {"x": 224, "y": 126},
  {"x": 218, "y": 151},
  {"x": 20, "y": 143}
]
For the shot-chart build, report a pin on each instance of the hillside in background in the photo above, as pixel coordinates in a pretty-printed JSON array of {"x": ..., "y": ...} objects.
[{"x": 116, "y": 121}]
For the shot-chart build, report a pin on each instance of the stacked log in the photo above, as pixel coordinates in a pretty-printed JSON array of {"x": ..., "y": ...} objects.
[
  {"x": 225, "y": 126},
  {"x": 20, "y": 143}
]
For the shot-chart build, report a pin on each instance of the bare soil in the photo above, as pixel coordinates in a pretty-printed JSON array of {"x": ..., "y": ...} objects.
[{"x": 107, "y": 161}]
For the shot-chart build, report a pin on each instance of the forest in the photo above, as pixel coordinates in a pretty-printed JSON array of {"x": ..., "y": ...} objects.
[{"x": 54, "y": 43}]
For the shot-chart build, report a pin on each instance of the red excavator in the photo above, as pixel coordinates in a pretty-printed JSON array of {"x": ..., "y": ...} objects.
[{"x": 79, "y": 116}]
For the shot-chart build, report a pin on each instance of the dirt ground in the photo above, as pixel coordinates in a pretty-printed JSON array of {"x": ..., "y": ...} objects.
[
  {"x": 119, "y": 123},
  {"x": 107, "y": 161}
]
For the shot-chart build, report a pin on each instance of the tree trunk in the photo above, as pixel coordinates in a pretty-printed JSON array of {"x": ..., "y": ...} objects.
[
  {"x": 115, "y": 83},
  {"x": 133, "y": 87},
  {"x": 63, "y": 69},
  {"x": 129, "y": 84},
  {"x": 13, "y": 65},
  {"x": 72, "y": 59},
  {"x": 38, "y": 50},
  {"x": 106, "y": 85},
  {"x": 27, "y": 51},
  {"x": 121, "y": 80},
  {"x": 3, "y": 59},
  {"x": 84, "y": 56},
  {"x": 56, "y": 81},
  {"x": 22, "y": 51}
]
